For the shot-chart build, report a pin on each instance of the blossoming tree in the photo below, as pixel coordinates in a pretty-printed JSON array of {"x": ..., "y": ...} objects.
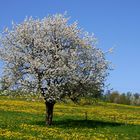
[{"x": 52, "y": 58}]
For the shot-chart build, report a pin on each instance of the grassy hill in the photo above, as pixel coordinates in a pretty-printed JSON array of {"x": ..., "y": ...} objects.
[{"x": 21, "y": 119}]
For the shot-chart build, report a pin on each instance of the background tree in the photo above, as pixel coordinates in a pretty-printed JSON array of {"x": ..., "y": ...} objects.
[
  {"x": 52, "y": 58},
  {"x": 128, "y": 98}
]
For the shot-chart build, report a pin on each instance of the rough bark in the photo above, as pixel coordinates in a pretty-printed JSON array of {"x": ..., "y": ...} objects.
[{"x": 49, "y": 112}]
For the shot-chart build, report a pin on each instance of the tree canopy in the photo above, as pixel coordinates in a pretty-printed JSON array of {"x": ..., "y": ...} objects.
[{"x": 52, "y": 57}]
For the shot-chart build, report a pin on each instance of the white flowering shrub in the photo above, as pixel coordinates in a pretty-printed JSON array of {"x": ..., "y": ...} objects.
[{"x": 54, "y": 58}]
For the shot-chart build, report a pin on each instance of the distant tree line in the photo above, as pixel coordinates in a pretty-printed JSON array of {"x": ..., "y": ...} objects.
[{"x": 128, "y": 98}]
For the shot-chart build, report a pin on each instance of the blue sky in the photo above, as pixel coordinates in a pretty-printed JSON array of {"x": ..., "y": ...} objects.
[{"x": 116, "y": 23}]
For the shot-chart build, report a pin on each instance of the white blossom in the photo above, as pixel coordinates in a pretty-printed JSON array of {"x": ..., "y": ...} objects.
[{"x": 53, "y": 57}]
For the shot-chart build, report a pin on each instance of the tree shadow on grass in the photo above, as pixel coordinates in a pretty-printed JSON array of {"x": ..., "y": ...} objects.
[{"x": 71, "y": 123}]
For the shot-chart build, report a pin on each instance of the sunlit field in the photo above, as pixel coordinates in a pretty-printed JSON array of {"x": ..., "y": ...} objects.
[{"x": 21, "y": 119}]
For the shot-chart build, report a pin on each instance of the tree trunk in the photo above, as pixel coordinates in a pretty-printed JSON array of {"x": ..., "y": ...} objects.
[{"x": 49, "y": 112}]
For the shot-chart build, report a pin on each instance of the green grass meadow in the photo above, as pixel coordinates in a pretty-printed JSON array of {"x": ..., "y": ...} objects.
[{"x": 24, "y": 120}]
